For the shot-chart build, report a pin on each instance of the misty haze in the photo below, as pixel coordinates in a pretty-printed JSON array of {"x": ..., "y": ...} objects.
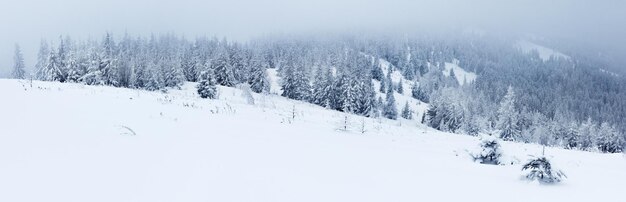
[{"x": 279, "y": 100}]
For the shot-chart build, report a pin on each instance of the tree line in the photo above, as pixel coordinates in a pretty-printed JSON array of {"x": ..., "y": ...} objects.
[{"x": 559, "y": 102}]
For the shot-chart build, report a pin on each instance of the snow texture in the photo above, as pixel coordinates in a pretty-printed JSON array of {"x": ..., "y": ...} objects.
[
  {"x": 71, "y": 142},
  {"x": 462, "y": 76}
]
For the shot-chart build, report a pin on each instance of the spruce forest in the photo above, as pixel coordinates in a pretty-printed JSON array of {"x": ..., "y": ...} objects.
[{"x": 560, "y": 101}]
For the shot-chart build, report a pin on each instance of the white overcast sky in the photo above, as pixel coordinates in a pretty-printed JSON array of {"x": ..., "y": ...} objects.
[{"x": 601, "y": 23}]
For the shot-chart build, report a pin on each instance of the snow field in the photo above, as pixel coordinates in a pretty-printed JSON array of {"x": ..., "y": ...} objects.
[{"x": 68, "y": 142}]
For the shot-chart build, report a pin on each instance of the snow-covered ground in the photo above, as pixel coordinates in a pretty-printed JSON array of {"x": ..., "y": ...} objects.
[
  {"x": 70, "y": 142},
  {"x": 418, "y": 107},
  {"x": 544, "y": 52},
  {"x": 462, "y": 76}
]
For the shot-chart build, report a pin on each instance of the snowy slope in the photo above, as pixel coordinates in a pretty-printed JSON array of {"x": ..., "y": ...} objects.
[
  {"x": 418, "y": 107},
  {"x": 462, "y": 76},
  {"x": 69, "y": 142},
  {"x": 544, "y": 52}
]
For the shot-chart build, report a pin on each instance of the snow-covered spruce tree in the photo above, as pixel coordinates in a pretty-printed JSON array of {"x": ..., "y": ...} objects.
[
  {"x": 109, "y": 71},
  {"x": 206, "y": 85},
  {"x": 446, "y": 113},
  {"x": 490, "y": 150},
  {"x": 224, "y": 73},
  {"x": 390, "y": 110},
  {"x": 124, "y": 57},
  {"x": 139, "y": 76},
  {"x": 62, "y": 56},
  {"x": 407, "y": 113},
  {"x": 383, "y": 86},
  {"x": 587, "y": 131},
  {"x": 418, "y": 93},
  {"x": 172, "y": 73},
  {"x": 52, "y": 70},
  {"x": 571, "y": 136},
  {"x": 74, "y": 70},
  {"x": 109, "y": 68},
  {"x": 507, "y": 117},
  {"x": 366, "y": 97},
  {"x": 347, "y": 94},
  {"x": 389, "y": 84},
  {"x": 377, "y": 72},
  {"x": 609, "y": 139},
  {"x": 540, "y": 169},
  {"x": 189, "y": 63},
  {"x": 409, "y": 72},
  {"x": 322, "y": 87},
  {"x": 429, "y": 83},
  {"x": 295, "y": 83},
  {"x": 42, "y": 58},
  {"x": 400, "y": 87},
  {"x": 238, "y": 62},
  {"x": 93, "y": 76},
  {"x": 18, "y": 65},
  {"x": 154, "y": 78},
  {"x": 258, "y": 76},
  {"x": 471, "y": 125}
]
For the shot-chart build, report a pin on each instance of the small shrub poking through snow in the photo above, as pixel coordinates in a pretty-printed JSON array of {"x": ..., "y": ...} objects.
[
  {"x": 540, "y": 169},
  {"x": 490, "y": 152}
]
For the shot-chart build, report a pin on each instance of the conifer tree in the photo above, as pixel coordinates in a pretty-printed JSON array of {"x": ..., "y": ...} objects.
[
  {"x": 295, "y": 83},
  {"x": 42, "y": 58},
  {"x": 18, "y": 65},
  {"x": 154, "y": 77},
  {"x": 389, "y": 84},
  {"x": 507, "y": 117},
  {"x": 93, "y": 75},
  {"x": 238, "y": 63},
  {"x": 409, "y": 72},
  {"x": 587, "y": 132},
  {"x": 74, "y": 72},
  {"x": 52, "y": 70},
  {"x": 383, "y": 86},
  {"x": 366, "y": 97},
  {"x": 400, "y": 88},
  {"x": 189, "y": 63},
  {"x": 206, "y": 85},
  {"x": 258, "y": 80},
  {"x": 377, "y": 72},
  {"x": 390, "y": 110},
  {"x": 418, "y": 92},
  {"x": 224, "y": 73},
  {"x": 407, "y": 113},
  {"x": 609, "y": 139},
  {"x": 323, "y": 87},
  {"x": 490, "y": 150},
  {"x": 540, "y": 169},
  {"x": 108, "y": 62}
]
